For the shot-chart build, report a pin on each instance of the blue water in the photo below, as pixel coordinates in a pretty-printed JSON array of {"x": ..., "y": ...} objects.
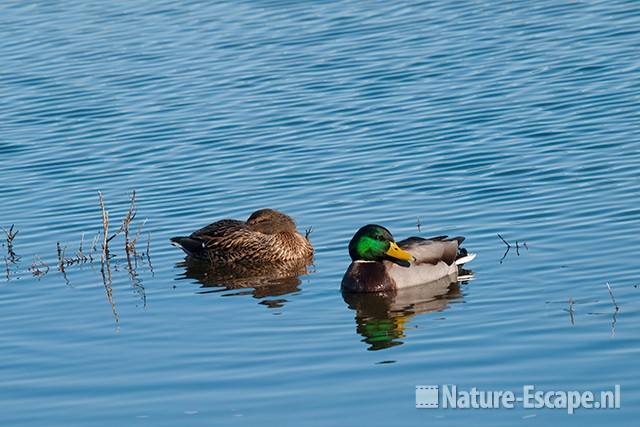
[{"x": 468, "y": 118}]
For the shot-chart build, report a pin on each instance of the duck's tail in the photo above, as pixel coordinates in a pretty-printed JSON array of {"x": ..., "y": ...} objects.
[
  {"x": 464, "y": 256},
  {"x": 189, "y": 245},
  {"x": 465, "y": 259}
]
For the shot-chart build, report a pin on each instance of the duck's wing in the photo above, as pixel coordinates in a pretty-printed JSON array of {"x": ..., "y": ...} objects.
[
  {"x": 433, "y": 238},
  {"x": 219, "y": 229},
  {"x": 432, "y": 251},
  {"x": 226, "y": 233},
  {"x": 435, "y": 259},
  {"x": 233, "y": 237}
]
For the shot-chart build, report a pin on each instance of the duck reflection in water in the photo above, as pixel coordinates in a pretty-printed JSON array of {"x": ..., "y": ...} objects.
[
  {"x": 259, "y": 283},
  {"x": 381, "y": 317}
]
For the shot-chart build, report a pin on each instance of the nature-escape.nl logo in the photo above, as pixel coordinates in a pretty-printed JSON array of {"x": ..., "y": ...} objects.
[{"x": 450, "y": 397}]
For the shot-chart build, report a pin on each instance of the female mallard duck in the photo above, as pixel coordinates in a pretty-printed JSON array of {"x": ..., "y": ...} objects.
[
  {"x": 380, "y": 264},
  {"x": 268, "y": 237}
]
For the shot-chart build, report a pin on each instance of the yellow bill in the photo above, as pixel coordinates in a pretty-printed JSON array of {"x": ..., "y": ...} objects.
[{"x": 394, "y": 251}]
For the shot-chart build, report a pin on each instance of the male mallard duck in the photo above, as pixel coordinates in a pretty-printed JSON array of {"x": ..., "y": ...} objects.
[
  {"x": 267, "y": 238},
  {"x": 380, "y": 264}
]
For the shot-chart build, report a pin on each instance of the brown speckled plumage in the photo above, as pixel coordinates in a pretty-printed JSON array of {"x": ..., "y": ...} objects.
[{"x": 268, "y": 237}]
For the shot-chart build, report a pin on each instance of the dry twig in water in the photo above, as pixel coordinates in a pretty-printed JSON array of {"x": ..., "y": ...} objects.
[
  {"x": 148, "y": 246},
  {"x": 7, "y": 269},
  {"x": 129, "y": 245},
  {"x": 11, "y": 235},
  {"x": 504, "y": 241},
  {"x": 80, "y": 256},
  {"x": 61, "y": 261},
  {"x": 571, "y": 310},
  {"x": 613, "y": 299},
  {"x": 137, "y": 239},
  {"x": 147, "y": 254},
  {"x": 505, "y": 252},
  {"x": 509, "y": 246},
  {"x": 93, "y": 248},
  {"x": 615, "y": 313},
  {"x": 106, "y": 281},
  {"x": 105, "y": 230}
]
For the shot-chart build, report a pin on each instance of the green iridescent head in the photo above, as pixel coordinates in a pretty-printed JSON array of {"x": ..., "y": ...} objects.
[{"x": 375, "y": 243}]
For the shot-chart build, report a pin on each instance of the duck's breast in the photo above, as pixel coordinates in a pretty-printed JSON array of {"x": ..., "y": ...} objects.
[{"x": 364, "y": 276}]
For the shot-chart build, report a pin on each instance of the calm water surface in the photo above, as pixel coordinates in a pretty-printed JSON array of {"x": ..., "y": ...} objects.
[{"x": 470, "y": 118}]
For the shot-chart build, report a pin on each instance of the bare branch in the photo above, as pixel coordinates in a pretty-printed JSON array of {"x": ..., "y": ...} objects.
[
  {"x": 504, "y": 241},
  {"x": 105, "y": 229},
  {"x": 615, "y": 304}
]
